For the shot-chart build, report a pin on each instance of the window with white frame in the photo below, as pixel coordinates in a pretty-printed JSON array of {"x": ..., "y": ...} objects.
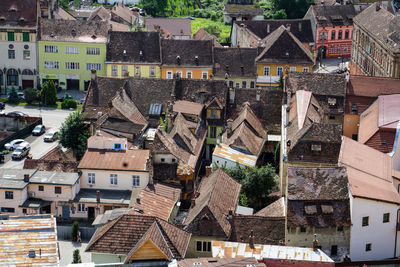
[
  {"x": 93, "y": 51},
  {"x": 204, "y": 75},
  {"x": 135, "y": 180},
  {"x": 306, "y": 69},
  {"x": 91, "y": 178},
  {"x": 124, "y": 70},
  {"x": 51, "y": 64},
  {"x": 114, "y": 70},
  {"x": 279, "y": 71},
  {"x": 292, "y": 69},
  {"x": 189, "y": 74},
  {"x": 81, "y": 207},
  {"x": 71, "y": 50},
  {"x": 137, "y": 71},
  {"x": 72, "y": 65},
  {"x": 203, "y": 246},
  {"x": 169, "y": 74},
  {"x": 152, "y": 71},
  {"x": 113, "y": 179},
  {"x": 27, "y": 55},
  {"x": 266, "y": 71},
  {"x": 51, "y": 49},
  {"x": 244, "y": 84},
  {"x": 91, "y": 66}
]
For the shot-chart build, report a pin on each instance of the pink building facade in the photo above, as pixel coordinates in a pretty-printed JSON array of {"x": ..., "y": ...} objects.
[{"x": 337, "y": 41}]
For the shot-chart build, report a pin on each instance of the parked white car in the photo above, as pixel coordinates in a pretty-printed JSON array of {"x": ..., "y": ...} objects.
[
  {"x": 21, "y": 151},
  {"x": 13, "y": 144}
]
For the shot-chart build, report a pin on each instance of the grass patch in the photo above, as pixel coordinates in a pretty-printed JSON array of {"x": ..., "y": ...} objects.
[{"x": 224, "y": 30}]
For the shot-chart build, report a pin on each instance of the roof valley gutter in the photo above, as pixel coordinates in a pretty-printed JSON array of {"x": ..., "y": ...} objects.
[{"x": 164, "y": 239}]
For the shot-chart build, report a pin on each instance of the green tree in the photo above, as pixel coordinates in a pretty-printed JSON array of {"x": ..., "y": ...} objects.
[
  {"x": 74, "y": 134},
  {"x": 74, "y": 230},
  {"x": 13, "y": 96},
  {"x": 293, "y": 8},
  {"x": 49, "y": 94},
  {"x": 257, "y": 184},
  {"x": 64, "y": 4},
  {"x": 154, "y": 8},
  {"x": 213, "y": 29},
  {"x": 76, "y": 257},
  {"x": 69, "y": 103},
  {"x": 279, "y": 14},
  {"x": 280, "y": 83},
  {"x": 30, "y": 95}
]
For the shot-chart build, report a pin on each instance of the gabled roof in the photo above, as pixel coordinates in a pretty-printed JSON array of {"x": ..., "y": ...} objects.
[
  {"x": 372, "y": 86},
  {"x": 100, "y": 14},
  {"x": 318, "y": 83},
  {"x": 384, "y": 28},
  {"x": 174, "y": 26},
  {"x": 202, "y": 34},
  {"x": 301, "y": 28},
  {"x": 128, "y": 233},
  {"x": 275, "y": 209},
  {"x": 219, "y": 193},
  {"x": 18, "y": 14},
  {"x": 282, "y": 46},
  {"x": 134, "y": 47},
  {"x": 236, "y": 62},
  {"x": 60, "y": 13},
  {"x": 187, "y": 107},
  {"x": 247, "y": 116},
  {"x": 122, "y": 13},
  {"x": 73, "y": 31},
  {"x": 186, "y": 52},
  {"x": 369, "y": 172},
  {"x": 337, "y": 15}
]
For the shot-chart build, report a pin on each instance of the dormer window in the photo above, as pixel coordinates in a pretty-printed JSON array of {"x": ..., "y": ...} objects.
[
  {"x": 178, "y": 60},
  {"x": 12, "y": 9},
  {"x": 2, "y": 19},
  {"x": 117, "y": 146},
  {"x": 316, "y": 148},
  {"x": 310, "y": 209},
  {"x": 354, "y": 109},
  {"x": 21, "y": 19},
  {"x": 331, "y": 101},
  {"x": 73, "y": 32},
  {"x": 94, "y": 36},
  {"x": 384, "y": 142}
]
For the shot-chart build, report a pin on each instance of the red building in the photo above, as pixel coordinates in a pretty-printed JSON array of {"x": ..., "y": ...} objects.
[{"x": 332, "y": 28}]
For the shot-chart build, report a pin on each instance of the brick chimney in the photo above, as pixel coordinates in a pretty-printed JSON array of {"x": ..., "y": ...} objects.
[
  {"x": 315, "y": 243},
  {"x": 251, "y": 240},
  {"x": 192, "y": 202},
  {"x": 98, "y": 196},
  {"x": 26, "y": 178},
  {"x": 138, "y": 201},
  {"x": 208, "y": 171}
]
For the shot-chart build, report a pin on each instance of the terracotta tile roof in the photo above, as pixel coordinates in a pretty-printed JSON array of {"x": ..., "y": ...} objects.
[
  {"x": 100, "y": 14},
  {"x": 60, "y": 13},
  {"x": 73, "y": 31},
  {"x": 14, "y": 11},
  {"x": 371, "y": 86},
  {"x": 219, "y": 194},
  {"x": 187, "y": 51},
  {"x": 174, "y": 26},
  {"x": 188, "y": 107},
  {"x": 317, "y": 83},
  {"x": 152, "y": 204},
  {"x": 123, "y": 104},
  {"x": 236, "y": 62},
  {"x": 128, "y": 160},
  {"x": 275, "y": 209},
  {"x": 51, "y": 165},
  {"x": 337, "y": 15},
  {"x": 281, "y": 46},
  {"x": 118, "y": 27},
  {"x": 211, "y": 262},
  {"x": 19, "y": 235},
  {"x": 266, "y": 230},
  {"x": 369, "y": 172},
  {"x": 267, "y": 109},
  {"x": 128, "y": 233},
  {"x": 123, "y": 14},
  {"x": 301, "y": 28},
  {"x": 202, "y": 34},
  {"x": 170, "y": 191},
  {"x": 384, "y": 28},
  {"x": 248, "y": 117},
  {"x": 138, "y": 47}
]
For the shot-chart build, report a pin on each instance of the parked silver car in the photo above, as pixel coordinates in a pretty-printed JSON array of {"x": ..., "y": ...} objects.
[
  {"x": 13, "y": 144},
  {"x": 21, "y": 151}
]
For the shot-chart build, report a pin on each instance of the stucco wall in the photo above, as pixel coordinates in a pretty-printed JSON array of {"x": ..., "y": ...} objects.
[
  {"x": 19, "y": 196},
  {"x": 48, "y": 193},
  {"x": 191, "y": 250},
  {"x": 102, "y": 179},
  {"x": 144, "y": 70},
  {"x": 380, "y": 235},
  {"x": 168, "y": 158},
  {"x": 99, "y": 258}
]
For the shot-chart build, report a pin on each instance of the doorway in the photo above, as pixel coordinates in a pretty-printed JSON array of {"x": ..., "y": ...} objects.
[
  {"x": 91, "y": 213},
  {"x": 65, "y": 212},
  {"x": 72, "y": 84}
]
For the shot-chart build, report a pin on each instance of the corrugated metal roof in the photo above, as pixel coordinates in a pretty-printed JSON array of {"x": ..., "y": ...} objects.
[
  {"x": 222, "y": 249},
  {"x": 59, "y": 178},
  {"x": 19, "y": 235},
  {"x": 226, "y": 152},
  {"x": 155, "y": 109}
]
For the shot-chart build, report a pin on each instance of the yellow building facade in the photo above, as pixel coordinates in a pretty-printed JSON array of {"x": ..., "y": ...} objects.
[
  {"x": 120, "y": 70},
  {"x": 187, "y": 73},
  {"x": 269, "y": 74}
]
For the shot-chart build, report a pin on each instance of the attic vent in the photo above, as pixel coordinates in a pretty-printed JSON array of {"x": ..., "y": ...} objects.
[
  {"x": 287, "y": 53},
  {"x": 73, "y": 32},
  {"x": 12, "y": 9},
  {"x": 94, "y": 36},
  {"x": 31, "y": 253},
  {"x": 196, "y": 60},
  {"x": 196, "y": 264},
  {"x": 310, "y": 209},
  {"x": 178, "y": 60},
  {"x": 21, "y": 19},
  {"x": 182, "y": 31},
  {"x": 2, "y": 19},
  {"x": 316, "y": 147},
  {"x": 331, "y": 101},
  {"x": 327, "y": 208},
  {"x": 52, "y": 35}
]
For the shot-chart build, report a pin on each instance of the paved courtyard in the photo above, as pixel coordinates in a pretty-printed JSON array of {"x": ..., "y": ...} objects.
[
  {"x": 329, "y": 65},
  {"x": 67, "y": 248}
]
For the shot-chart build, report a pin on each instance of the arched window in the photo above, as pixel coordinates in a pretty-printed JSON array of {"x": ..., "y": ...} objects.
[
  {"x": 27, "y": 72},
  {"x": 346, "y": 35},
  {"x": 12, "y": 77},
  {"x": 333, "y": 35},
  {"x": 340, "y": 35},
  {"x": 1, "y": 77}
]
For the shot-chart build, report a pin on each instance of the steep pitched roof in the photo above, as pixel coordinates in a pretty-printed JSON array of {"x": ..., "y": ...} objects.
[
  {"x": 18, "y": 14},
  {"x": 134, "y": 47},
  {"x": 60, "y": 13},
  {"x": 247, "y": 116},
  {"x": 202, "y": 34},
  {"x": 236, "y": 62},
  {"x": 174, "y": 26},
  {"x": 372, "y": 86},
  {"x": 100, "y": 14},
  {"x": 275, "y": 209},
  {"x": 219, "y": 193},
  {"x": 337, "y": 15},
  {"x": 73, "y": 31},
  {"x": 188, "y": 107},
  {"x": 317, "y": 83},
  {"x": 384, "y": 28},
  {"x": 301, "y": 28},
  {"x": 368, "y": 168},
  {"x": 184, "y": 52},
  {"x": 282, "y": 46},
  {"x": 122, "y": 13},
  {"x": 128, "y": 233}
]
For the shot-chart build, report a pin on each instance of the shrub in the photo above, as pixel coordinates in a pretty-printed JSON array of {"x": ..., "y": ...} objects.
[
  {"x": 49, "y": 93},
  {"x": 30, "y": 95},
  {"x": 69, "y": 103},
  {"x": 76, "y": 257},
  {"x": 74, "y": 230},
  {"x": 13, "y": 96}
]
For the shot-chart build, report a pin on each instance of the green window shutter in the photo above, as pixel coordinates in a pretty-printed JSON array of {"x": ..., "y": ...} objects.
[
  {"x": 10, "y": 36},
  {"x": 25, "y": 36}
]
